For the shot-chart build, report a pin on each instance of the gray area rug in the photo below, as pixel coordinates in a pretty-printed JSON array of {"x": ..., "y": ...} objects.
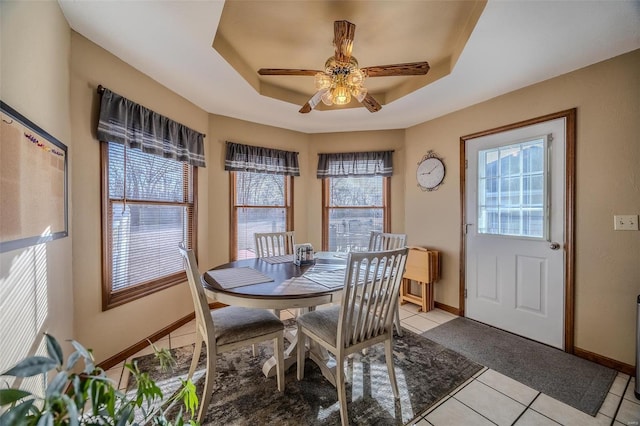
[
  {"x": 426, "y": 372},
  {"x": 575, "y": 381}
]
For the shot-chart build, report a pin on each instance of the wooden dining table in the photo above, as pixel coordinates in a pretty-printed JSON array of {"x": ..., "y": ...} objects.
[{"x": 283, "y": 285}]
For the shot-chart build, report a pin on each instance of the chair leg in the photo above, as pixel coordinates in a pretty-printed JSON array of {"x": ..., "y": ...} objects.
[
  {"x": 278, "y": 351},
  {"x": 342, "y": 392},
  {"x": 255, "y": 351},
  {"x": 388, "y": 354},
  {"x": 209, "y": 380},
  {"x": 196, "y": 356},
  {"x": 301, "y": 348},
  {"x": 396, "y": 321}
]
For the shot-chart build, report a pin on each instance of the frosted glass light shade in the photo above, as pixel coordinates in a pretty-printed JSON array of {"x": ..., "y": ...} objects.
[
  {"x": 359, "y": 93},
  {"x": 341, "y": 95},
  {"x": 327, "y": 98},
  {"x": 323, "y": 81}
]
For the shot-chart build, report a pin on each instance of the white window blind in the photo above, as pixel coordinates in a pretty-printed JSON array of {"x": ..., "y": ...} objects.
[{"x": 150, "y": 209}]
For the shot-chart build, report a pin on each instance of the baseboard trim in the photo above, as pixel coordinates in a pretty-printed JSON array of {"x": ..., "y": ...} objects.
[
  {"x": 450, "y": 309},
  {"x": 607, "y": 362},
  {"x": 137, "y": 347}
]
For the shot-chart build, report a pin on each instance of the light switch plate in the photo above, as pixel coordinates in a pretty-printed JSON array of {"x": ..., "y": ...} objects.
[{"x": 626, "y": 222}]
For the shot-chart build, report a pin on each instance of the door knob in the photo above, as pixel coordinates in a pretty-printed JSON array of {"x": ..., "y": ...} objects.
[{"x": 554, "y": 246}]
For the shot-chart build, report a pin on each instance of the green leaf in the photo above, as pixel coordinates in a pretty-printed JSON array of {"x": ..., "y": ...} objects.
[
  {"x": 31, "y": 366},
  {"x": 72, "y": 410},
  {"x": 125, "y": 415},
  {"x": 87, "y": 355},
  {"x": 189, "y": 396},
  {"x": 9, "y": 396},
  {"x": 54, "y": 349},
  {"x": 45, "y": 420},
  {"x": 17, "y": 414},
  {"x": 73, "y": 359},
  {"x": 58, "y": 383}
]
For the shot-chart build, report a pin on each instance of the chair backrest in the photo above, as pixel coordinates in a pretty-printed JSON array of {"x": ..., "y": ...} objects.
[
  {"x": 274, "y": 243},
  {"x": 379, "y": 241},
  {"x": 370, "y": 295},
  {"x": 200, "y": 302}
]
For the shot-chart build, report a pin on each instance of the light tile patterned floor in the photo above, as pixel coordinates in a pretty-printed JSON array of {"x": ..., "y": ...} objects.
[{"x": 489, "y": 398}]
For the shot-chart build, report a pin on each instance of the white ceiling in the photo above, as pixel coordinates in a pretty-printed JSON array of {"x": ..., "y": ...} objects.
[{"x": 514, "y": 44}]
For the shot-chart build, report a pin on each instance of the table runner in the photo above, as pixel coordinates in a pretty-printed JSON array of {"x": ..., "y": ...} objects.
[
  {"x": 327, "y": 275},
  {"x": 238, "y": 277}
]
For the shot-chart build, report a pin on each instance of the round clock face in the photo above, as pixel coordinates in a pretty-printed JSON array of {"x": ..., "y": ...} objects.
[{"x": 430, "y": 173}]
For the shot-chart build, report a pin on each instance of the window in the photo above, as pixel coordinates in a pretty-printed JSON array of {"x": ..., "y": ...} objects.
[
  {"x": 149, "y": 208},
  {"x": 262, "y": 202},
  {"x": 512, "y": 197},
  {"x": 353, "y": 207},
  {"x": 355, "y": 198},
  {"x": 261, "y": 193},
  {"x": 148, "y": 198}
]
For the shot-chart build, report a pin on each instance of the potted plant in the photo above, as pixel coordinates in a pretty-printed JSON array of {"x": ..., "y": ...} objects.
[{"x": 85, "y": 396}]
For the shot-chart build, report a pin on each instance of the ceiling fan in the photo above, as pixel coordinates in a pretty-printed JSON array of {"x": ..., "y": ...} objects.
[{"x": 342, "y": 78}]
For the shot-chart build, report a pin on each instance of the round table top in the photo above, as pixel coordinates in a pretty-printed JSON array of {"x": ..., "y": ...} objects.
[{"x": 289, "y": 288}]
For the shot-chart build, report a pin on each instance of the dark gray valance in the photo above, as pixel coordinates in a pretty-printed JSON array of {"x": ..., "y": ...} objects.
[
  {"x": 377, "y": 163},
  {"x": 128, "y": 123},
  {"x": 247, "y": 158}
]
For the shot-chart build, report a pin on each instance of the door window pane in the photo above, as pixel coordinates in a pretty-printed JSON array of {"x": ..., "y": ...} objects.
[{"x": 512, "y": 198}]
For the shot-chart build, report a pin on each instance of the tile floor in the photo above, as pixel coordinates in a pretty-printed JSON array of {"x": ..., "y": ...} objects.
[{"x": 488, "y": 398}]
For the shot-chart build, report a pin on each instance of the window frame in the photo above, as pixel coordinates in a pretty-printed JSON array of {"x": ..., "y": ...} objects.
[
  {"x": 111, "y": 298},
  {"x": 233, "y": 219},
  {"x": 326, "y": 208}
]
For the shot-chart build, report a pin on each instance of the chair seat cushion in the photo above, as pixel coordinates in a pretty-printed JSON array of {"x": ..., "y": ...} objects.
[
  {"x": 323, "y": 322},
  {"x": 234, "y": 324}
]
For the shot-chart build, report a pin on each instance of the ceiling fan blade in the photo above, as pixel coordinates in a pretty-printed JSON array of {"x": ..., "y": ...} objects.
[
  {"x": 286, "y": 71},
  {"x": 411, "y": 68},
  {"x": 306, "y": 108},
  {"x": 313, "y": 102},
  {"x": 343, "y": 34},
  {"x": 371, "y": 104}
]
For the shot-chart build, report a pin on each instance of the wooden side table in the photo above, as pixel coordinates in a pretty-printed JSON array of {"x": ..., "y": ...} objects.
[{"x": 423, "y": 267}]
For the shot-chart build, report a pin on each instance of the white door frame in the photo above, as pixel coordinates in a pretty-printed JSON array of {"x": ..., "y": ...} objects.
[{"x": 570, "y": 180}]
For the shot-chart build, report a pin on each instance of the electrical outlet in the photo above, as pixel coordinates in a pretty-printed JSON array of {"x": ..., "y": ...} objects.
[{"x": 626, "y": 222}]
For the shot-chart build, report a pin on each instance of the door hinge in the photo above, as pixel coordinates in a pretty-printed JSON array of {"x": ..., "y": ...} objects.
[
  {"x": 466, "y": 164},
  {"x": 465, "y": 293}
]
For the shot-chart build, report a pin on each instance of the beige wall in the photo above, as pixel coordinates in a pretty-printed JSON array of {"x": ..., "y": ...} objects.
[
  {"x": 355, "y": 142},
  {"x": 35, "y": 283},
  {"x": 223, "y": 129},
  {"x": 116, "y": 329},
  {"x": 61, "y": 98},
  {"x": 607, "y": 98}
]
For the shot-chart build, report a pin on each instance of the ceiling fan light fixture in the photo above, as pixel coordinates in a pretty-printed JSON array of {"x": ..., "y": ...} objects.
[
  {"x": 355, "y": 77},
  {"x": 341, "y": 95},
  {"x": 323, "y": 81},
  {"x": 342, "y": 77},
  {"x": 359, "y": 93},
  {"x": 327, "y": 98}
]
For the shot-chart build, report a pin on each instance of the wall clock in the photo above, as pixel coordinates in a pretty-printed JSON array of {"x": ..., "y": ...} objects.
[{"x": 430, "y": 172}]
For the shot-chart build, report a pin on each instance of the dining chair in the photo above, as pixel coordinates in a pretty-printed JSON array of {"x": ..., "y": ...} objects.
[
  {"x": 228, "y": 328},
  {"x": 274, "y": 243},
  {"x": 379, "y": 241},
  {"x": 357, "y": 322}
]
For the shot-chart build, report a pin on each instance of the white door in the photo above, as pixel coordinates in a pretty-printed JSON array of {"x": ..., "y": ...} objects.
[{"x": 515, "y": 231}]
